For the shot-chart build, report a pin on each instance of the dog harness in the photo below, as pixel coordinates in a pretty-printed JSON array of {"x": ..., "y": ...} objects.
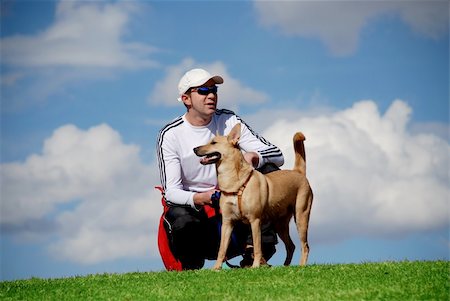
[{"x": 239, "y": 192}]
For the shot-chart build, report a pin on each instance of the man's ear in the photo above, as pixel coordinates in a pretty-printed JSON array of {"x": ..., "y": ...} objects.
[
  {"x": 186, "y": 99},
  {"x": 235, "y": 134}
]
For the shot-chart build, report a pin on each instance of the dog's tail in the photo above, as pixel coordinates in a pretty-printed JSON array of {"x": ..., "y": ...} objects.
[{"x": 300, "y": 155}]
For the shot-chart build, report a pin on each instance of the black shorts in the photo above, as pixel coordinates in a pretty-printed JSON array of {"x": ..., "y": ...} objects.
[{"x": 193, "y": 237}]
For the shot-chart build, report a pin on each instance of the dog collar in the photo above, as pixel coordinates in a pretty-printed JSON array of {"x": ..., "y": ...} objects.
[{"x": 239, "y": 192}]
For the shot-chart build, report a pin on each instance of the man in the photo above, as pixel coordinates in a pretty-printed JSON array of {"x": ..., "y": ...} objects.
[{"x": 190, "y": 187}]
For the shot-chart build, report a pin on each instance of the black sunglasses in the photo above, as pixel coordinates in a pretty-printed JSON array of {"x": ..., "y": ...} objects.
[{"x": 205, "y": 90}]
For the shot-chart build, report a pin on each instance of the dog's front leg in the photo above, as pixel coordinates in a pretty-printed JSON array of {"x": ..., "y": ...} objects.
[
  {"x": 257, "y": 249},
  {"x": 227, "y": 228}
]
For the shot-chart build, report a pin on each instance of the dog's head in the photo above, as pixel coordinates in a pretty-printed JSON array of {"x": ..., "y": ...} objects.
[{"x": 220, "y": 147}]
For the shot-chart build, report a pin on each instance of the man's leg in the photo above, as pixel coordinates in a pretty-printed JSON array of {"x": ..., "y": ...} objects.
[
  {"x": 237, "y": 241},
  {"x": 186, "y": 233},
  {"x": 268, "y": 241}
]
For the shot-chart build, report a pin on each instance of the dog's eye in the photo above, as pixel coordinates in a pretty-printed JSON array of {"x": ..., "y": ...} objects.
[{"x": 213, "y": 142}]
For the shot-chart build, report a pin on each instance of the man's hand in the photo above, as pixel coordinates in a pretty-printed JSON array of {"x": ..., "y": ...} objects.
[
  {"x": 252, "y": 158},
  {"x": 203, "y": 198}
]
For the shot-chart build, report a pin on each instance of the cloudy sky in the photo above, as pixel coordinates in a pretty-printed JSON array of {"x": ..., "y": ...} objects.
[{"x": 86, "y": 86}]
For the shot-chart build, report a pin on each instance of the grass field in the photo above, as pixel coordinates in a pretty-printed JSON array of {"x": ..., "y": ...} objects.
[{"x": 418, "y": 280}]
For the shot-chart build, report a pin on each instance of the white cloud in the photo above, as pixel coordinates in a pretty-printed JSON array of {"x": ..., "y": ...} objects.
[
  {"x": 91, "y": 188},
  {"x": 436, "y": 128},
  {"x": 338, "y": 24},
  {"x": 87, "y": 41},
  {"x": 114, "y": 227},
  {"x": 371, "y": 176},
  {"x": 231, "y": 92},
  {"x": 429, "y": 18},
  {"x": 84, "y": 34}
]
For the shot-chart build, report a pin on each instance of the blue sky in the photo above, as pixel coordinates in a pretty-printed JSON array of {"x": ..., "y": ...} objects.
[{"x": 86, "y": 86}]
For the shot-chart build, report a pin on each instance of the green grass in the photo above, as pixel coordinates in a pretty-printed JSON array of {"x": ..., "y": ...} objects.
[{"x": 419, "y": 280}]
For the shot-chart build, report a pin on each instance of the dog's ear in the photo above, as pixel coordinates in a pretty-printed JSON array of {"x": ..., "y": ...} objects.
[{"x": 235, "y": 134}]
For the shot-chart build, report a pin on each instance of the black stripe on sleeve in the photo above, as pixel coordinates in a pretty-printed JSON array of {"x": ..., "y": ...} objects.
[
  {"x": 260, "y": 138},
  {"x": 164, "y": 130},
  {"x": 271, "y": 152}
]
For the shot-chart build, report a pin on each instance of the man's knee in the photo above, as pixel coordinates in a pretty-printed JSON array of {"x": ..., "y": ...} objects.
[
  {"x": 268, "y": 167},
  {"x": 268, "y": 235},
  {"x": 185, "y": 231}
]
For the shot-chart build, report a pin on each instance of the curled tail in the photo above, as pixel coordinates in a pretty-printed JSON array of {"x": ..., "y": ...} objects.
[{"x": 300, "y": 155}]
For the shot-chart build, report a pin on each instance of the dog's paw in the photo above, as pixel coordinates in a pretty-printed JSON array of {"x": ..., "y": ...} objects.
[{"x": 217, "y": 267}]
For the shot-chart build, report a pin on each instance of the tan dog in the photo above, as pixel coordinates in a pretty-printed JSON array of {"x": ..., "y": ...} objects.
[{"x": 248, "y": 195}]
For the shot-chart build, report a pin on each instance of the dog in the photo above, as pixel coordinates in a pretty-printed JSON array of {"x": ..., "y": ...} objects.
[{"x": 248, "y": 195}]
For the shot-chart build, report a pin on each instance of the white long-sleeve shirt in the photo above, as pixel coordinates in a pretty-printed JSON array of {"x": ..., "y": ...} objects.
[{"x": 181, "y": 173}]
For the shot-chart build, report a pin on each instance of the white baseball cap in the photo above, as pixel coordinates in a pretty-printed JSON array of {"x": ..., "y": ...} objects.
[{"x": 195, "y": 78}]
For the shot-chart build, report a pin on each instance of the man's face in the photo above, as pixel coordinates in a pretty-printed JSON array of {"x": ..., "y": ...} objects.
[{"x": 203, "y": 99}]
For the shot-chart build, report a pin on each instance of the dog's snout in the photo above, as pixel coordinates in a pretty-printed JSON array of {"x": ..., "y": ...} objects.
[{"x": 196, "y": 150}]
